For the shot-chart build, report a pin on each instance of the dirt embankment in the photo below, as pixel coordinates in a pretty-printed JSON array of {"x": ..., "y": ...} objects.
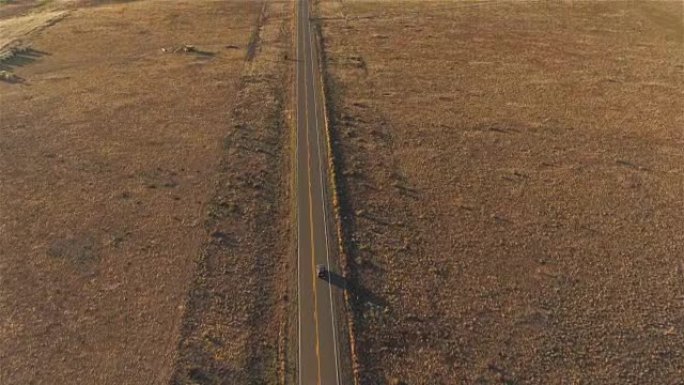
[
  {"x": 125, "y": 148},
  {"x": 511, "y": 180}
]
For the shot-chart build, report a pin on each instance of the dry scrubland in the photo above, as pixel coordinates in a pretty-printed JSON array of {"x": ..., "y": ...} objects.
[
  {"x": 512, "y": 179},
  {"x": 132, "y": 179}
]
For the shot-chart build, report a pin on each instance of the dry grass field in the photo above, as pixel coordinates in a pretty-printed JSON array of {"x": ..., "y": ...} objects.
[
  {"x": 133, "y": 153},
  {"x": 512, "y": 184}
]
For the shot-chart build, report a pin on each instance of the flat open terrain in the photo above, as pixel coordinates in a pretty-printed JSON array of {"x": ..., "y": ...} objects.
[
  {"x": 133, "y": 152},
  {"x": 512, "y": 180}
]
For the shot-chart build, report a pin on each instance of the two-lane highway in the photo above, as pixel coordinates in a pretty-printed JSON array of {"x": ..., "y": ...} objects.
[{"x": 318, "y": 361}]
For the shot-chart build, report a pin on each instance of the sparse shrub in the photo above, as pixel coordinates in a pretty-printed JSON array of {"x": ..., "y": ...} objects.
[{"x": 7, "y": 76}]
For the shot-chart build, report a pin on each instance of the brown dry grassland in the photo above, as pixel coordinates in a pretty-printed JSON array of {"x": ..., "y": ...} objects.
[
  {"x": 133, "y": 181},
  {"x": 512, "y": 185}
]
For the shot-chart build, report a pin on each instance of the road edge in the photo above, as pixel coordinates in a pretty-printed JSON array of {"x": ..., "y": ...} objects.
[{"x": 333, "y": 182}]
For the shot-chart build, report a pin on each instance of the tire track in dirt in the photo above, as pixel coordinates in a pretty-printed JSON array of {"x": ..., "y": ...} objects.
[{"x": 255, "y": 38}]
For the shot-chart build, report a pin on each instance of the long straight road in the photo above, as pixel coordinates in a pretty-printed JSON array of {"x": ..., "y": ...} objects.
[{"x": 318, "y": 361}]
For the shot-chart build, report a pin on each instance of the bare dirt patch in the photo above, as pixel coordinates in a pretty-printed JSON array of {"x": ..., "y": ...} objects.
[
  {"x": 16, "y": 30},
  {"x": 111, "y": 153},
  {"x": 13, "y": 8},
  {"x": 511, "y": 179}
]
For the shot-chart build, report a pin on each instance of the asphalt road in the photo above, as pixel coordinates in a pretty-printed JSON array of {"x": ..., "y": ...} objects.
[{"x": 319, "y": 361}]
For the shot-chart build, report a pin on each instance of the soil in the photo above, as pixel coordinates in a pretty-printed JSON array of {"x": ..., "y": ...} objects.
[
  {"x": 511, "y": 186},
  {"x": 237, "y": 327},
  {"x": 115, "y": 153}
]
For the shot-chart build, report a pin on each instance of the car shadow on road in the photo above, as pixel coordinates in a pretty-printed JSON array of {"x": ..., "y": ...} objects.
[{"x": 359, "y": 293}]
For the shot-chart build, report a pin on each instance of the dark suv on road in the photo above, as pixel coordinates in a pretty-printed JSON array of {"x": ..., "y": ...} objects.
[{"x": 321, "y": 272}]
